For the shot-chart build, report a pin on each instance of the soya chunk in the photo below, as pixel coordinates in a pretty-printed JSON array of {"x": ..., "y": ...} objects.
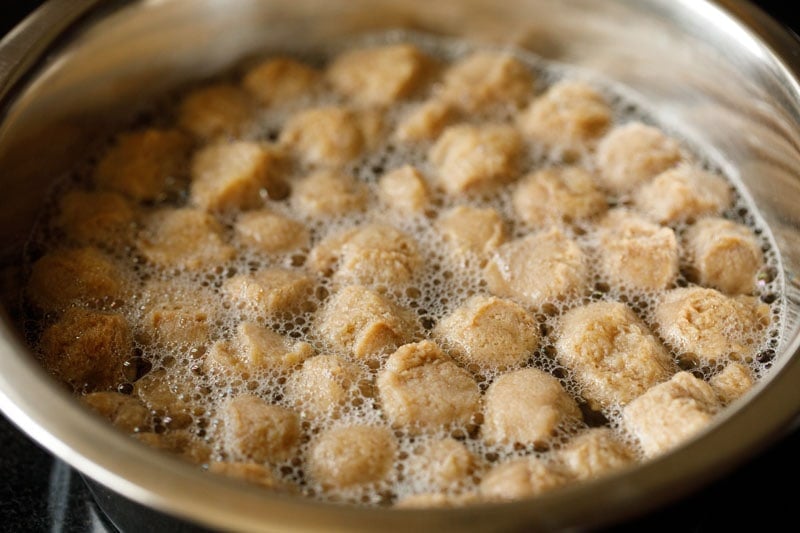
[
  {"x": 634, "y": 153},
  {"x": 362, "y": 322},
  {"x": 487, "y": 80},
  {"x": 330, "y": 136},
  {"x": 255, "y": 349},
  {"x": 352, "y": 456},
  {"x": 144, "y": 165},
  {"x": 539, "y": 268},
  {"x": 527, "y": 407},
  {"x": 426, "y": 500},
  {"x": 636, "y": 253},
  {"x": 99, "y": 218},
  {"x": 180, "y": 443},
  {"x": 724, "y": 255},
  {"x": 441, "y": 464},
  {"x": 523, "y": 478},
  {"x": 227, "y": 176},
  {"x": 169, "y": 398},
  {"x": 425, "y": 121},
  {"x": 323, "y": 385},
  {"x": 254, "y": 473},
  {"x": 683, "y": 193},
  {"x": 489, "y": 332},
  {"x": 569, "y": 116},
  {"x": 379, "y": 75},
  {"x": 184, "y": 238},
  {"x": 708, "y": 326},
  {"x": 260, "y": 432},
  {"x": 469, "y": 229},
  {"x": 281, "y": 80},
  {"x": 471, "y": 158},
  {"x": 82, "y": 276},
  {"x": 270, "y": 292},
  {"x": 87, "y": 349},
  {"x": 216, "y": 111},
  {"x": 270, "y": 232},
  {"x": 594, "y": 453},
  {"x": 670, "y": 413},
  {"x": 611, "y": 352},
  {"x": 329, "y": 194},
  {"x": 732, "y": 383},
  {"x": 558, "y": 194},
  {"x": 125, "y": 412},
  {"x": 370, "y": 254},
  {"x": 404, "y": 189},
  {"x": 422, "y": 389}
]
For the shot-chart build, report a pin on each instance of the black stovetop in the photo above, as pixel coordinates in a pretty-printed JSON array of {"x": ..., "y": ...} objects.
[{"x": 41, "y": 494}]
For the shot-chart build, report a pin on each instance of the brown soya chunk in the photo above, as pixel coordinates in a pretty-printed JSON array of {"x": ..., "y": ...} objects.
[
  {"x": 181, "y": 443},
  {"x": 327, "y": 193},
  {"x": 87, "y": 349},
  {"x": 216, "y": 111},
  {"x": 169, "y": 399},
  {"x": 404, "y": 189},
  {"x": 323, "y": 385},
  {"x": 270, "y": 232},
  {"x": 365, "y": 324},
  {"x": 281, "y": 80},
  {"x": 176, "y": 318},
  {"x": 557, "y": 194},
  {"x": 426, "y": 121},
  {"x": 475, "y": 230},
  {"x": 352, "y": 456},
  {"x": 144, "y": 165},
  {"x": 249, "y": 472},
  {"x": 98, "y": 218},
  {"x": 260, "y": 432},
  {"x": 270, "y": 292},
  {"x": 527, "y": 407},
  {"x": 594, "y": 453},
  {"x": 670, "y": 413},
  {"x": 484, "y": 81},
  {"x": 125, "y": 412},
  {"x": 523, "y": 478},
  {"x": 83, "y": 276},
  {"x": 442, "y": 465},
  {"x": 489, "y": 332},
  {"x": 732, "y": 383},
  {"x": 422, "y": 389}
]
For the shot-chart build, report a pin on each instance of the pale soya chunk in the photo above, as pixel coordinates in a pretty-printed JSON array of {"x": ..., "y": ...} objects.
[
  {"x": 323, "y": 385},
  {"x": 471, "y": 158},
  {"x": 84, "y": 276},
  {"x": 682, "y": 194},
  {"x": 281, "y": 80},
  {"x": 732, "y": 383},
  {"x": 526, "y": 406},
  {"x": 328, "y": 194},
  {"x": 487, "y": 80},
  {"x": 634, "y": 153},
  {"x": 426, "y": 121},
  {"x": 612, "y": 353},
  {"x": 594, "y": 453},
  {"x": 270, "y": 292},
  {"x": 101, "y": 218},
  {"x": 260, "y": 432},
  {"x": 441, "y": 464},
  {"x": 169, "y": 398},
  {"x": 489, "y": 332},
  {"x": 362, "y": 322},
  {"x": 87, "y": 349},
  {"x": 422, "y": 389},
  {"x": 379, "y": 75},
  {"x": 329, "y": 136},
  {"x": 216, "y": 111},
  {"x": 569, "y": 116},
  {"x": 670, "y": 413},
  {"x": 144, "y": 165},
  {"x": 270, "y": 232},
  {"x": 468, "y": 229},
  {"x": 254, "y": 349},
  {"x": 557, "y": 194},
  {"x": 404, "y": 189},
  {"x": 724, "y": 255},
  {"x": 707, "y": 326},
  {"x": 523, "y": 478},
  {"x": 125, "y": 412},
  {"x": 636, "y": 253},
  {"x": 368, "y": 254},
  {"x": 352, "y": 456},
  {"x": 184, "y": 238},
  {"x": 539, "y": 268},
  {"x": 227, "y": 176}
]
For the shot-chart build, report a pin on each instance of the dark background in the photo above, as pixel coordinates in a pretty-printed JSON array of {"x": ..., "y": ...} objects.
[{"x": 36, "y": 495}]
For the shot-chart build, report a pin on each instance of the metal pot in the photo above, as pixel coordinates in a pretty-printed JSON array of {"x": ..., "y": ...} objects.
[{"x": 722, "y": 71}]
